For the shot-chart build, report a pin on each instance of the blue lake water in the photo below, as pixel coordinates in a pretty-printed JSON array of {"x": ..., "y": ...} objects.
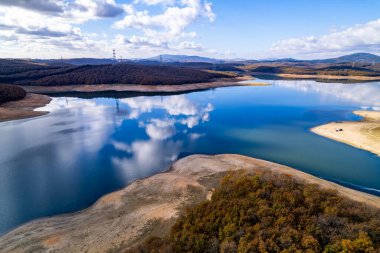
[{"x": 64, "y": 161}]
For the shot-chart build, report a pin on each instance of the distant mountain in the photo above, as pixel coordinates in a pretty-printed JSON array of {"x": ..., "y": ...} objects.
[
  {"x": 280, "y": 60},
  {"x": 359, "y": 57},
  {"x": 183, "y": 58},
  {"x": 77, "y": 61}
]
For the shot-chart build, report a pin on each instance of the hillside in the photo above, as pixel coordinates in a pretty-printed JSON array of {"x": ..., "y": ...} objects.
[
  {"x": 181, "y": 69},
  {"x": 272, "y": 213},
  {"x": 77, "y": 61},
  {"x": 315, "y": 69},
  {"x": 9, "y": 66},
  {"x": 39, "y": 74},
  {"x": 359, "y": 57}
]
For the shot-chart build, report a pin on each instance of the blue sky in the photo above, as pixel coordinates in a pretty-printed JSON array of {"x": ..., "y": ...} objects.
[{"x": 222, "y": 29}]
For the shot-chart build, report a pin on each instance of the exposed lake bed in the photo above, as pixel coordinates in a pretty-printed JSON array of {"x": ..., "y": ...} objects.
[
  {"x": 23, "y": 108},
  {"x": 92, "y": 147},
  {"x": 150, "y": 207}
]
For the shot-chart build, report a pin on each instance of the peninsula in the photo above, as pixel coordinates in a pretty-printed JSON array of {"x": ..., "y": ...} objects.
[
  {"x": 363, "y": 134},
  {"x": 150, "y": 207}
]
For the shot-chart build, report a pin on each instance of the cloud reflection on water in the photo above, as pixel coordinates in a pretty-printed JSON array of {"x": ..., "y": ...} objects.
[
  {"x": 162, "y": 118},
  {"x": 178, "y": 115},
  {"x": 365, "y": 94}
]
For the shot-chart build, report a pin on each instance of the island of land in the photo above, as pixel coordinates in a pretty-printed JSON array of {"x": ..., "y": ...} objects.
[
  {"x": 149, "y": 208},
  {"x": 363, "y": 134}
]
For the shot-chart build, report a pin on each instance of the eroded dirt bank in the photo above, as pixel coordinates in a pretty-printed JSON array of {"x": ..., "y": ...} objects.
[{"x": 23, "y": 108}]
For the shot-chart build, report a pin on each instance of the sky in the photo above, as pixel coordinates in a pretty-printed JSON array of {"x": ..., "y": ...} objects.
[{"x": 225, "y": 29}]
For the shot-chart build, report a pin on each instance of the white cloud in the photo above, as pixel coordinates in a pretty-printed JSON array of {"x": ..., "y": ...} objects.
[
  {"x": 137, "y": 42},
  {"x": 49, "y": 6},
  {"x": 190, "y": 45},
  {"x": 155, "y": 2},
  {"x": 39, "y": 28},
  {"x": 56, "y": 28},
  {"x": 356, "y": 38},
  {"x": 101, "y": 8},
  {"x": 168, "y": 26}
]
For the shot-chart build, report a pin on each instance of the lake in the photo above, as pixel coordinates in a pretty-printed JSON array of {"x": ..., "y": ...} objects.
[{"x": 84, "y": 148}]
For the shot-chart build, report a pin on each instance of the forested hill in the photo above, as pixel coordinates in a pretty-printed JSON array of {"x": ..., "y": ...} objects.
[
  {"x": 272, "y": 213},
  {"x": 29, "y": 73}
]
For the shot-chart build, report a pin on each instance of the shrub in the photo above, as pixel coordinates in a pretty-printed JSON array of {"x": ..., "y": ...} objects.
[
  {"x": 11, "y": 93},
  {"x": 275, "y": 213}
]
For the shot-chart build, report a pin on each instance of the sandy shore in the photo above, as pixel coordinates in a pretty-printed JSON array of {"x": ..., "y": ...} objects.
[
  {"x": 364, "y": 134},
  {"x": 324, "y": 77},
  {"x": 141, "y": 88},
  {"x": 146, "y": 207},
  {"x": 23, "y": 108}
]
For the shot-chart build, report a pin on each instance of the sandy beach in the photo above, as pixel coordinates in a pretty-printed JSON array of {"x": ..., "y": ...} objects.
[
  {"x": 364, "y": 134},
  {"x": 23, "y": 108},
  {"x": 147, "y": 207}
]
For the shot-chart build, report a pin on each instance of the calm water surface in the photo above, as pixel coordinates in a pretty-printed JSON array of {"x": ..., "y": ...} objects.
[{"x": 83, "y": 149}]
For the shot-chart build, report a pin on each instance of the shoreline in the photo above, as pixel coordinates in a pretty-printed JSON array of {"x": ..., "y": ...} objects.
[
  {"x": 23, "y": 108},
  {"x": 321, "y": 77},
  {"x": 149, "y": 207},
  {"x": 38, "y": 96},
  {"x": 363, "y": 134},
  {"x": 138, "y": 88}
]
